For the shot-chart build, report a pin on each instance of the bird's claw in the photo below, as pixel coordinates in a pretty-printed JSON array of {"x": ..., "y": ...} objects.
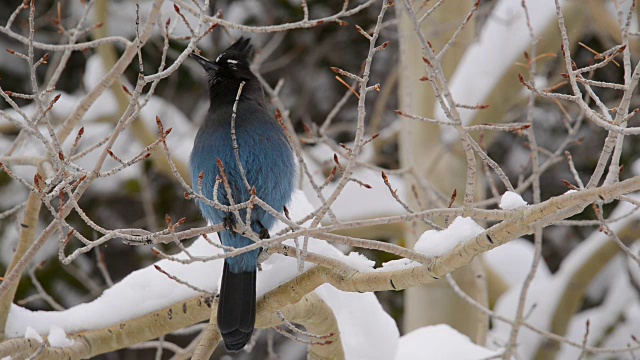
[
  {"x": 229, "y": 223},
  {"x": 262, "y": 257},
  {"x": 264, "y": 233}
]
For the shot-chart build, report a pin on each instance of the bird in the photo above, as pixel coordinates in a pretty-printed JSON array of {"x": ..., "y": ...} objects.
[{"x": 269, "y": 167}]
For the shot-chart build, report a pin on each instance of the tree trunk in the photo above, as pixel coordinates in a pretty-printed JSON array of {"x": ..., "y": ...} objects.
[{"x": 421, "y": 148}]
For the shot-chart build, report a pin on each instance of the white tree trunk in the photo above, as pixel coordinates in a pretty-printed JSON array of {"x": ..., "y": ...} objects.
[{"x": 421, "y": 148}]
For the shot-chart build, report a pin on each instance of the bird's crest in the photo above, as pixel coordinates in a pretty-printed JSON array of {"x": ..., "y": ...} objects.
[
  {"x": 230, "y": 67},
  {"x": 239, "y": 52}
]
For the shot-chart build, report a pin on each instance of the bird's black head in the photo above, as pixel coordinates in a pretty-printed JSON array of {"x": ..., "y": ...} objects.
[{"x": 232, "y": 64}]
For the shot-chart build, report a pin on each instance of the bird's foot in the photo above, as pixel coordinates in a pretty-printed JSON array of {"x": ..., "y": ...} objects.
[
  {"x": 229, "y": 222},
  {"x": 262, "y": 257},
  {"x": 264, "y": 233}
]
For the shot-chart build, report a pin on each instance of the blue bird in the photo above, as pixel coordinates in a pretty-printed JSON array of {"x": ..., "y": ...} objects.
[{"x": 269, "y": 166}]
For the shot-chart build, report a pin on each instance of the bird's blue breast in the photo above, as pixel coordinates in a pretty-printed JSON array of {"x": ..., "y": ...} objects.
[{"x": 268, "y": 165}]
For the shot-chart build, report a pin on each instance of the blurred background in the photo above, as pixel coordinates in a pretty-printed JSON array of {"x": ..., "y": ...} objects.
[{"x": 146, "y": 194}]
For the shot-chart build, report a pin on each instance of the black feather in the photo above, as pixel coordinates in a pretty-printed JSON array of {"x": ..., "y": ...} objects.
[
  {"x": 269, "y": 166},
  {"x": 230, "y": 68},
  {"x": 241, "y": 50},
  {"x": 237, "y": 308}
]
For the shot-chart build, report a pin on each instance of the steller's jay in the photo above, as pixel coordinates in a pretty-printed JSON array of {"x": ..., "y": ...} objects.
[{"x": 269, "y": 166}]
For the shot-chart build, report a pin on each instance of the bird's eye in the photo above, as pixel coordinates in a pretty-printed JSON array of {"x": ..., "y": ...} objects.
[{"x": 232, "y": 64}]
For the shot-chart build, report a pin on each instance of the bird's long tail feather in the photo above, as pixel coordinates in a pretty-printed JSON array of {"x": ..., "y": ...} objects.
[{"x": 237, "y": 307}]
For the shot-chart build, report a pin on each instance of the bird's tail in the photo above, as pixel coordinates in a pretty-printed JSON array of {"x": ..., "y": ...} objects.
[{"x": 237, "y": 307}]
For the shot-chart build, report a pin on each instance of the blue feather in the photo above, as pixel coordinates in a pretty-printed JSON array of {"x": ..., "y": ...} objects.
[
  {"x": 269, "y": 167},
  {"x": 266, "y": 159}
]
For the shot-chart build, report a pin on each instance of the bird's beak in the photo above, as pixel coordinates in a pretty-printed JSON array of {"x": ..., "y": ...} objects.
[{"x": 205, "y": 63}]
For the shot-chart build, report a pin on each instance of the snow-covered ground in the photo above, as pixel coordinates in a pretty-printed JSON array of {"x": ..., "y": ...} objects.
[{"x": 367, "y": 331}]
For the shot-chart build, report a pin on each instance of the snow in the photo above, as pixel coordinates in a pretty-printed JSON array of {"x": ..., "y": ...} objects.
[
  {"x": 8, "y": 243},
  {"x": 58, "y": 338},
  {"x": 368, "y": 332},
  {"x": 6, "y": 358},
  {"x": 147, "y": 288},
  {"x": 126, "y": 146},
  {"x": 504, "y": 38},
  {"x": 546, "y": 291},
  {"x": 619, "y": 337},
  {"x": 32, "y": 334},
  {"x": 511, "y": 200},
  {"x": 9, "y": 238},
  {"x": 179, "y": 141},
  {"x": 106, "y": 105},
  {"x": 360, "y": 262},
  {"x": 601, "y": 283},
  {"x": 355, "y": 202},
  {"x": 436, "y": 243},
  {"x": 512, "y": 262},
  {"x": 400, "y": 264},
  {"x": 604, "y": 317},
  {"x": 440, "y": 342}
]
